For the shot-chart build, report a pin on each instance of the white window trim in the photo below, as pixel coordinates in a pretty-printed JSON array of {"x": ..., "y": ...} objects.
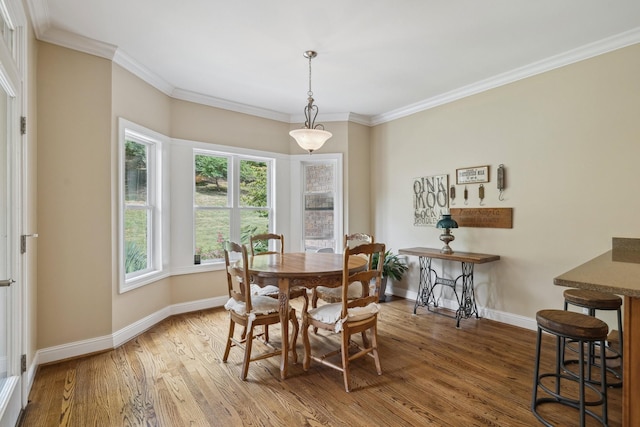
[
  {"x": 297, "y": 202},
  {"x": 159, "y": 173},
  {"x": 233, "y": 205},
  {"x": 182, "y": 157},
  {"x": 177, "y": 240}
]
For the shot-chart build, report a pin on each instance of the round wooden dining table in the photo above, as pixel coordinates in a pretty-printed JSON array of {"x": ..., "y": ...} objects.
[{"x": 306, "y": 269}]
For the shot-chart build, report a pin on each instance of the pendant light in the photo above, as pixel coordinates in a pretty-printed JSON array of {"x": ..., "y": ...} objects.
[{"x": 313, "y": 135}]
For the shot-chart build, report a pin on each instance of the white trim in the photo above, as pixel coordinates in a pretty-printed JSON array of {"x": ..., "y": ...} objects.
[
  {"x": 39, "y": 13},
  {"x": 484, "y": 313},
  {"x": 10, "y": 409},
  {"x": 40, "y": 20},
  {"x": 145, "y": 74},
  {"x": 224, "y": 104},
  {"x": 108, "y": 342},
  {"x": 80, "y": 43},
  {"x": 202, "y": 268},
  {"x": 13, "y": 82},
  {"x": 227, "y": 149},
  {"x": 296, "y": 241},
  {"x": 159, "y": 198},
  {"x": 329, "y": 117},
  {"x": 600, "y": 47}
]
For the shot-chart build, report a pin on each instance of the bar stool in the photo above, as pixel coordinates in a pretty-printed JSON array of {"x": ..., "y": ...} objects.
[
  {"x": 583, "y": 329},
  {"x": 592, "y": 301}
]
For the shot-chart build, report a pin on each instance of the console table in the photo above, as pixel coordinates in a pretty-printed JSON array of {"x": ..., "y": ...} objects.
[{"x": 429, "y": 279}]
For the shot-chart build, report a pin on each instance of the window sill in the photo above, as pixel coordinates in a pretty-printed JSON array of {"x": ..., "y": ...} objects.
[
  {"x": 200, "y": 268},
  {"x": 141, "y": 281}
]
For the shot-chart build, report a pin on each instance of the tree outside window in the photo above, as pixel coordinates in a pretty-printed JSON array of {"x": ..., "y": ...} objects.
[{"x": 228, "y": 205}]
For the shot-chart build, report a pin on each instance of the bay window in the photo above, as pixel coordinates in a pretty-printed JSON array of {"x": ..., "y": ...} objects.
[{"x": 232, "y": 201}]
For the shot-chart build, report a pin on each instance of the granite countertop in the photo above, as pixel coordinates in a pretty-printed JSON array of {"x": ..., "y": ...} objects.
[{"x": 614, "y": 272}]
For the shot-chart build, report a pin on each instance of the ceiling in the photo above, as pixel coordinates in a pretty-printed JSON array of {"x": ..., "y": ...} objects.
[{"x": 377, "y": 59}]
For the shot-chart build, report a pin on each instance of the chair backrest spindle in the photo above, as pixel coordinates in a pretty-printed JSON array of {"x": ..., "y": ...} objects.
[
  {"x": 364, "y": 277},
  {"x": 238, "y": 281},
  {"x": 266, "y": 238}
]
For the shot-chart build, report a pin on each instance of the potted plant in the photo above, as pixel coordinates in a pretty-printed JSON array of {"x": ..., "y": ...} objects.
[{"x": 392, "y": 267}]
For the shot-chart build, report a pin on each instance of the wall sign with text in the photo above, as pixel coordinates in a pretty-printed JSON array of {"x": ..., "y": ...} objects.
[
  {"x": 472, "y": 175},
  {"x": 483, "y": 217},
  {"x": 430, "y": 199}
]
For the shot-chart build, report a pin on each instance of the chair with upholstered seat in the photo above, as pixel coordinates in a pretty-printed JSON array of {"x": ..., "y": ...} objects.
[
  {"x": 349, "y": 316},
  {"x": 250, "y": 310},
  {"x": 334, "y": 294}
]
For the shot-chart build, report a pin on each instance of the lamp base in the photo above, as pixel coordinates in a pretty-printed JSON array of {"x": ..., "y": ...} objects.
[{"x": 447, "y": 237}]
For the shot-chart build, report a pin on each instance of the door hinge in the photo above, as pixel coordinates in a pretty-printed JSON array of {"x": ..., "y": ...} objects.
[
  {"x": 23, "y": 242},
  {"x": 23, "y": 125},
  {"x": 23, "y": 364}
]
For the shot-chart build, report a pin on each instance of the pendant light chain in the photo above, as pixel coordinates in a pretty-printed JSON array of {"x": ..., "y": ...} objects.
[
  {"x": 310, "y": 92},
  {"x": 312, "y": 136}
]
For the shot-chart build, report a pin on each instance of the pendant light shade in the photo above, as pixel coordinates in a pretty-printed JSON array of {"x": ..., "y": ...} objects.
[
  {"x": 313, "y": 135},
  {"x": 310, "y": 139}
]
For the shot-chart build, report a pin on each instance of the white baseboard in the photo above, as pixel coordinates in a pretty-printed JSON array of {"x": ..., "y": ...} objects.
[
  {"x": 498, "y": 316},
  {"x": 107, "y": 342}
]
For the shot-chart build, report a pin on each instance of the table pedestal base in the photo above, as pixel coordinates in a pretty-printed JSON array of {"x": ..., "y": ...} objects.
[{"x": 429, "y": 279}]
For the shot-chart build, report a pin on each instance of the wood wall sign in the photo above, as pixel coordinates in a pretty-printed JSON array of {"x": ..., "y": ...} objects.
[{"x": 483, "y": 217}]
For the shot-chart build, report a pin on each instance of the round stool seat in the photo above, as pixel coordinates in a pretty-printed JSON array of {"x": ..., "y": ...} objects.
[
  {"x": 593, "y": 299},
  {"x": 574, "y": 325},
  {"x": 561, "y": 386}
]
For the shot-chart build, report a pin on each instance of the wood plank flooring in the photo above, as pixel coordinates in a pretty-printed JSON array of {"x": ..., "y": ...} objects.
[{"x": 433, "y": 374}]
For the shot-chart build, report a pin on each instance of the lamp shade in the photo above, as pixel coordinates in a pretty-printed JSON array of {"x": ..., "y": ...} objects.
[
  {"x": 447, "y": 222},
  {"x": 310, "y": 139}
]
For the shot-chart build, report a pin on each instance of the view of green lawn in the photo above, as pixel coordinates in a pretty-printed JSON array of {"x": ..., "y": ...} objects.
[{"x": 212, "y": 216}]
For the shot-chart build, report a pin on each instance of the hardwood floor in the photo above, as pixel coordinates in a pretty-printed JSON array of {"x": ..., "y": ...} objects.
[{"x": 433, "y": 374}]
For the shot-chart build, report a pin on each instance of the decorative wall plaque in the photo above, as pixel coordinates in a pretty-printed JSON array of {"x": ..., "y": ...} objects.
[
  {"x": 430, "y": 199},
  {"x": 483, "y": 217},
  {"x": 472, "y": 175}
]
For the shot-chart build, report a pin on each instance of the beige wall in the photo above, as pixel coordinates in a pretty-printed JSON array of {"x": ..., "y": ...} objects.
[
  {"x": 197, "y": 122},
  {"x": 358, "y": 188},
  {"x": 74, "y": 196},
  {"x": 138, "y": 102},
  {"x": 569, "y": 140},
  {"x": 79, "y": 300}
]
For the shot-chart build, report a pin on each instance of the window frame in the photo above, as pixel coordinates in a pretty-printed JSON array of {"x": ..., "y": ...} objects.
[
  {"x": 233, "y": 194},
  {"x": 297, "y": 197},
  {"x": 157, "y": 205}
]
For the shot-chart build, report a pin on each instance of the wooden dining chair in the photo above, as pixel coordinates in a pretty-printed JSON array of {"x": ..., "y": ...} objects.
[
  {"x": 349, "y": 316},
  {"x": 264, "y": 244},
  {"x": 334, "y": 294},
  {"x": 249, "y": 310},
  {"x": 261, "y": 244}
]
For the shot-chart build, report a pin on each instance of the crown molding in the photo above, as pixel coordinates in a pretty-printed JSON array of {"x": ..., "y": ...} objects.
[
  {"x": 40, "y": 20},
  {"x": 39, "y": 14},
  {"x": 360, "y": 119},
  {"x": 224, "y": 104},
  {"x": 600, "y": 47},
  {"x": 79, "y": 43},
  {"x": 322, "y": 118},
  {"x": 134, "y": 67}
]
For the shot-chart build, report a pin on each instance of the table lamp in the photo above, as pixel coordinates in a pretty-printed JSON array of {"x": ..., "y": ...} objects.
[{"x": 447, "y": 223}]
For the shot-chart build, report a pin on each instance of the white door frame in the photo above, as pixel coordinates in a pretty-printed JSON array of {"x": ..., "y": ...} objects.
[{"x": 12, "y": 81}]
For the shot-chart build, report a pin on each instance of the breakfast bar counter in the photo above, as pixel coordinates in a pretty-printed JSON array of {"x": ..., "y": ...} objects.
[{"x": 618, "y": 272}]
